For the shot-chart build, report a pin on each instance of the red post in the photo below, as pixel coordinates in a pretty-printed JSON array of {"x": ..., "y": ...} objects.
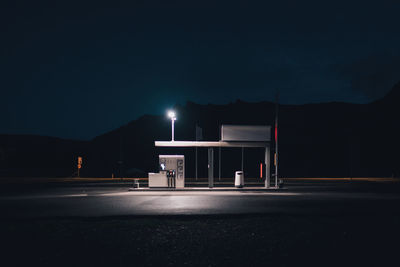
[{"x": 261, "y": 170}]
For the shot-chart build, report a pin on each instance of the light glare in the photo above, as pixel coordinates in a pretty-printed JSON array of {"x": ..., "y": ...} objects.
[{"x": 171, "y": 114}]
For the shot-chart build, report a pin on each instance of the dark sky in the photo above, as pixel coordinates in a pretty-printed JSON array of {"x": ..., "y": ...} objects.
[{"x": 79, "y": 70}]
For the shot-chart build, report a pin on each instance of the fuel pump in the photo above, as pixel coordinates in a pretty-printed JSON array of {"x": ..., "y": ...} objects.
[{"x": 171, "y": 176}]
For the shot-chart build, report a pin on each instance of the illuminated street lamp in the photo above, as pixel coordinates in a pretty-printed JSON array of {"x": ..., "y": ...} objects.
[{"x": 172, "y": 116}]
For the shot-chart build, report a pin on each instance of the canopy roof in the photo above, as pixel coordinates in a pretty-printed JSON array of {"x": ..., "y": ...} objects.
[{"x": 209, "y": 144}]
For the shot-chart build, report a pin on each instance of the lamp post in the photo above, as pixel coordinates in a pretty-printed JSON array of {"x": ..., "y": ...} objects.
[{"x": 172, "y": 116}]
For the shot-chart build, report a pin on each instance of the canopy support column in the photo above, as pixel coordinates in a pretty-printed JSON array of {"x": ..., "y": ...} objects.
[
  {"x": 210, "y": 167},
  {"x": 267, "y": 167},
  {"x": 242, "y": 158},
  {"x": 219, "y": 164}
]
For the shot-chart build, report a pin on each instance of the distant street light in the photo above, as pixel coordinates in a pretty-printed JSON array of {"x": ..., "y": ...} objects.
[{"x": 172, "y": 116}]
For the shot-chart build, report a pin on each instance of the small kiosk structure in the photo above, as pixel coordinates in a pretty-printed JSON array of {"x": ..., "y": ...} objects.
[{"x": 171, "y": 173}]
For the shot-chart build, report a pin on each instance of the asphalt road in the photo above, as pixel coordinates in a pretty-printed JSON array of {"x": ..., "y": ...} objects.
[
  {"x": 310, "y": 224},
  {"x": 102, "y": 201}
]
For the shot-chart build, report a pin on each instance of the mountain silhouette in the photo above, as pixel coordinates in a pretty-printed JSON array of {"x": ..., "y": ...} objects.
[{"x": 315, "y": 140}]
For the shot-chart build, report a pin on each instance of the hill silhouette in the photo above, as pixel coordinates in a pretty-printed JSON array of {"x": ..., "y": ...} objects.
[{"x": 316, "y": 140}]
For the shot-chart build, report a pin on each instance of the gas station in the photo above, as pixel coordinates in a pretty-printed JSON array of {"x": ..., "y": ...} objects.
[{"x": 172, "y": 167}]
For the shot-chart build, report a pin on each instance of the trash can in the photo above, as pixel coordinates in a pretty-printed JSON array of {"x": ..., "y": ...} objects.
[
  {"x": 136, "y": 183},
  {"x": 239, "y": 179}
]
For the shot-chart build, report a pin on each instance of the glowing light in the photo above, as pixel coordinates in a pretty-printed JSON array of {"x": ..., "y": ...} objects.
[{"x": 172, "y": 115}]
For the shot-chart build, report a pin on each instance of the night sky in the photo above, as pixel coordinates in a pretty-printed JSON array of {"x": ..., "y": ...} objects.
[{"x": 79, "y": 70}]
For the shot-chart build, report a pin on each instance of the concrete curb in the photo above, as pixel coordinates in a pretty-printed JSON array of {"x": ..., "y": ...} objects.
[{"x": 214, "y": 189}]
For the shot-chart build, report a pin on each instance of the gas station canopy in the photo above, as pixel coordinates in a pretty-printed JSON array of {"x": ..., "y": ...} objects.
[
  {"x": 239, "y": 136},
  {"x": 209, "y": 144}
]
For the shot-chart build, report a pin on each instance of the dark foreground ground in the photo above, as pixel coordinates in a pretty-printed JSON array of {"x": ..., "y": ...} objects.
[{"x": 335, "y": 224}]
